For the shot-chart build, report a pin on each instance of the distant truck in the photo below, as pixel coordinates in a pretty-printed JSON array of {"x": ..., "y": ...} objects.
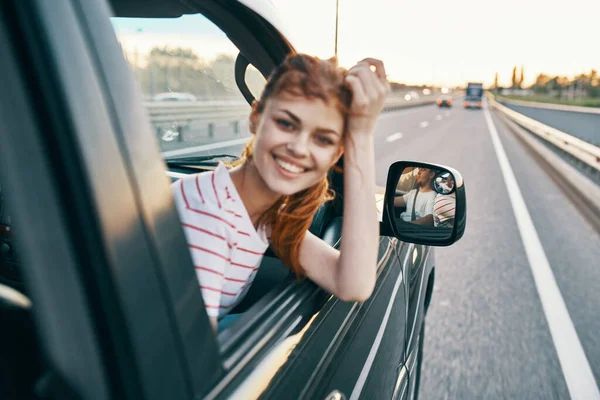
[{"x": 474, "y": 95}]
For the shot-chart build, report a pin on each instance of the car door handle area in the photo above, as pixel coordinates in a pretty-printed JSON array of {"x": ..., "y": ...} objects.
[
  {"x": 335, "y": 395},
  {"x": 401, "y": 388}
]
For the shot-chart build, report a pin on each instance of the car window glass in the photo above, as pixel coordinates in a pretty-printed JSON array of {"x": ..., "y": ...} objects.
[{"x": 185, "y": 70}]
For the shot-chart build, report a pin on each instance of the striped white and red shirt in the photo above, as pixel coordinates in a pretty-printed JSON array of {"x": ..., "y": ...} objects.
[
  {"x": 225, "y": 247},
  {"x": 444, "y": 208}
]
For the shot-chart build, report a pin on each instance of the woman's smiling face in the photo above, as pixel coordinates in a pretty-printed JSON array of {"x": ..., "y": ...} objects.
[{"x": 297, "y": 141}]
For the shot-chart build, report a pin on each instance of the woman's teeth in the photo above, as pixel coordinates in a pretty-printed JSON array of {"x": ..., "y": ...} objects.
[{"x": 289, "y": 167}]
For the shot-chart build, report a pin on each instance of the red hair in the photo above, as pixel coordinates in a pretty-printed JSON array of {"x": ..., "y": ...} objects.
[{"x": 290, "y": 217}]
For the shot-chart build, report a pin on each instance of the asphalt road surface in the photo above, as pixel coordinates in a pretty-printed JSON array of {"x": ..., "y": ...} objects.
[{"x": 487, "y": 334}]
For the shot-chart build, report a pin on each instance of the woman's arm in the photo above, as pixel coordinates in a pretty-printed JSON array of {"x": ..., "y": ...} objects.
[
  {"x": 360, "y": 232},
  {"x": 350, "y": 274}
]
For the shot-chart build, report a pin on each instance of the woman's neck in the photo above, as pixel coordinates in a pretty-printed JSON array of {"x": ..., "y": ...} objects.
[{"x": 255, "y": 194}]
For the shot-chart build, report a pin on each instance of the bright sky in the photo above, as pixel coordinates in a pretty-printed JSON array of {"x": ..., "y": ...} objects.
[{"x": 443, "y": 42}]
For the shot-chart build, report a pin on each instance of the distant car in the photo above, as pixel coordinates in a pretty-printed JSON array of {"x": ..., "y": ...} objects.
[
  {"x": 444, "y": 101},
  {"x": 175, "y": 96},
  {"x": 414, "y": 94}
]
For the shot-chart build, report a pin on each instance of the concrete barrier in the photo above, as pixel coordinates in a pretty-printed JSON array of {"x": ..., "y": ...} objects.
[
  {"x": 551, "y": 106},
  {"x": 580, "y": 149}
]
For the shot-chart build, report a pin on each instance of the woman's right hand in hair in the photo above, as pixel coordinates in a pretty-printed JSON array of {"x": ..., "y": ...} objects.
[{"x": 369, "y": 90}]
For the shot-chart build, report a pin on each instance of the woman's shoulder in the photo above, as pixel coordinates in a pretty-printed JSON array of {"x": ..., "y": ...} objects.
[
  {"x": 444, "y": 198},
  {"x": 197, "y": 190},
  {"x": 203, "y": 177}
]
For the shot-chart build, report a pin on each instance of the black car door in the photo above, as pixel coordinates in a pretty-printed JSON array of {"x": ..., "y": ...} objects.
[
  {"x": 98, "y": 235},
  {"x": 416, "y": 272},
  {"x": 350, "y": 348},
  {"x": 418, "y": 266}
]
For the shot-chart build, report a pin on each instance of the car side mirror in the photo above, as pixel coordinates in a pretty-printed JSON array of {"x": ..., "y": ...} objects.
[{"x": 424, "y": 204}]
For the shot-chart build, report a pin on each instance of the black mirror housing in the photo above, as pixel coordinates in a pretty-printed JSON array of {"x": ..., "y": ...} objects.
[{"x": 439, "y": 185}]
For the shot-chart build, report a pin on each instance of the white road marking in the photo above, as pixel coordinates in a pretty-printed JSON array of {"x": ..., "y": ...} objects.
[
  {"x": 574, "y": 363},
  {"x": 447, "y": 113},
  {"x": 438, "y": 117},
  {"x": 424, "y": 124},
  {"x": 394, "y": 137},
  {"x": 205, "y": 147}
]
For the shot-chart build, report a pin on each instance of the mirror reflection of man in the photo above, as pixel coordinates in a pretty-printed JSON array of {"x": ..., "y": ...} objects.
[{"x": 419, "y": 201}]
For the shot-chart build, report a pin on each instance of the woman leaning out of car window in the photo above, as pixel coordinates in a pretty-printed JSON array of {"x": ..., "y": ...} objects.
[{"x": 310, "y": 112}]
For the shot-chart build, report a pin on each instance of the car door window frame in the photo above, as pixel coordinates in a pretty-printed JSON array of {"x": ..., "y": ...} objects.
[
  {"x": 80, "y": 137},
  {"x": 24, "y": 162}
]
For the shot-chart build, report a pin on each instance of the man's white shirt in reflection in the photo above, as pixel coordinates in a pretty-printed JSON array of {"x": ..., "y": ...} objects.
[{"x": 423, "y": 207}]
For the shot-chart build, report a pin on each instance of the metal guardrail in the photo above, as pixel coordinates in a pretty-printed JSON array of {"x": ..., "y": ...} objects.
[
  {"x": 173, "y": 122},
  {"x": 581, "y": 186},
  {"x": 552, "y": 106},
  {"x": 398, "y": 101},
  {"x": 213, "y": 111},
  {"x": 230, "y": 111},
  {"x": 580, "y": 149}
]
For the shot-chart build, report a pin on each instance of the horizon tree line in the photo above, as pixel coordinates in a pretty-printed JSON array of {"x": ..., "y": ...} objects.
[{"x": 584, "y": 84}]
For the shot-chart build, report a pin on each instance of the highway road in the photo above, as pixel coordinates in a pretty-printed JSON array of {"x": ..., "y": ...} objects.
[{"x": 487, "y": 334}]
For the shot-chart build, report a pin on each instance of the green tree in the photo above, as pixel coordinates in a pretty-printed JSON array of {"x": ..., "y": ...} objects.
[
  {"x": 223, "y": 70},
  {"x": 594, "y": 89},
  {"x": 522, "y": 78},
  {"x": 182, "y": 70},
  {"x": 541, "y": 83},
  {"x": 514, "y": 77},
  {"x": 594, "y": 77}
]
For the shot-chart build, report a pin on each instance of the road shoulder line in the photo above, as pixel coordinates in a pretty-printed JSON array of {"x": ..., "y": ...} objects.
[{"x": 575, "y": 366}]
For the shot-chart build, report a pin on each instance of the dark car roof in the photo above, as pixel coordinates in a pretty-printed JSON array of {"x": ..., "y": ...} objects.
[
  {"x": 178, "y": 8},
  {"x": 150, "y": 8}
]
